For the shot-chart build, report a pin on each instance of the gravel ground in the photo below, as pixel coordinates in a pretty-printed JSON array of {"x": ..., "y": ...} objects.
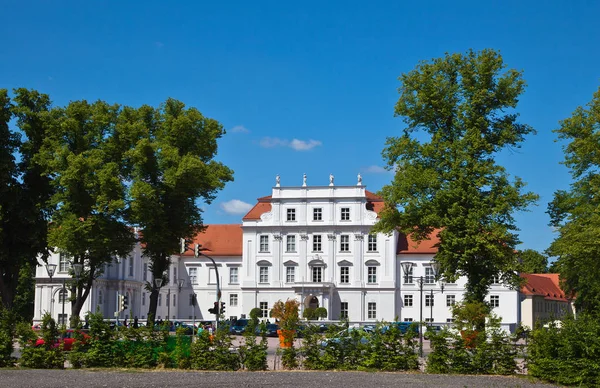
[{"x": 129, "y": 378}]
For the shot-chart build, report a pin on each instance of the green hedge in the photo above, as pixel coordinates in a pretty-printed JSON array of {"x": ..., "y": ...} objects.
[{"x": 569, "y": 354}]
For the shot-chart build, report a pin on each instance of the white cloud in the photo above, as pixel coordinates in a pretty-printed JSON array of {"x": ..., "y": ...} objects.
[
  {"x": 301, "y": 145},
  {"x": 240, "y": 129},
  {"x": 374, "y": 169},
  {"x": 235, "y": 206},
  {"x": 295, "y": 144}
]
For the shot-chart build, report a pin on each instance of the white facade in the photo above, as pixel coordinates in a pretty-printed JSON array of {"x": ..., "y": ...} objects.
[{"x": 310, "y": 243}]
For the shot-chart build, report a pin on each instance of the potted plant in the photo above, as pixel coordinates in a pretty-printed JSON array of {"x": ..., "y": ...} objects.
[{"x": 286, "y": 313}]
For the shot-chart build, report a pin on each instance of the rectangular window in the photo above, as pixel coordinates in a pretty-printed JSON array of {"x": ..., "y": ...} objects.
[
  {"x": 345, "y": 214},
  {"x": 495, "y": 300},
  {"x": 290, "y": 274},
  {"x": 233, "y": 299},
  {"x": 450, "y": 300},
  {"x": 450, "y": 320},
  {"x": 344, "y": 275},
  {"x": 167, "y": 299},
  {"x": 317, "y": 274},
  {"x": 192, "y": 299},
  {"x": 62, "y": 319},
  {"x": 212, "y": 275},
  {"x": 291, "y": 243},
  {"x": 429, "y": 276},
  {"x": 145, "y": 272},
  {"x": 317, "y": 214},
  {"x": 193, "y": 273},
  {"x": 408, "y": 319},
  {"x": 174, "y": 300},
  {"x": 159, "y": 299},
  {"x": 371, "y": 275},
  {"x": 372, "y": 245},
  {"x": 496, "y": 279},
  {"x": 62, "y": 296},
  {"x": 429, "y": 320},
  {"x": 429, "y": 300},
  {"x": 291, "y": 214},
  {"x": 408, "y": 277},
  {"x": 233, "y": 275},
  {"x": 344, "y": 243},
  {"x": 317, "y": 243},
  {"x": 264, "y": 308},
  {"x": 344, "y": 310},
  {"x": 263, "y": 275},
  {"x": 64, "y": 262},
  {"x": 143, "y": 298},
  {"x": 131, "y": 266},
  {"x": 264, "y": 243},
  {"x": 168, "y": 272},
  {"x": 408, "y": 300},
  {"x": 174, "y": 275},
  {"x": 372, "y": 310}
]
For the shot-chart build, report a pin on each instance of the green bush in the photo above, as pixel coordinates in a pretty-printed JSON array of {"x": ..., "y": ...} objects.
[
  {"x": 487, "y": 351},
  {"x": 7, "y": 329},
  {"x": 311, "y": 348},
  {"x": 569, "y": 354},
  {"x": 253, "y": 354},
  {"x": 46, "y": 356},
  {"x": 214, "y": 352}
]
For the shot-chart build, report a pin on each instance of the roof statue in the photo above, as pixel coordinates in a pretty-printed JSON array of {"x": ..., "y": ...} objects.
[
  {"x": 277, "y": 181},
  {"x": 359, "y": 180},
  {"x": 304, "y": 180},
  {"x": 330, "y": 179}
]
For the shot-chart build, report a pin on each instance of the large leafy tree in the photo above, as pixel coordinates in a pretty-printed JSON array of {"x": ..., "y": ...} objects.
[
  {"x": 173, "y": 168},
  {"x": 533, "y": 261},
  {"x": 84, "y": 156},
  {"x": 575, "y": 212},
  {"x": 25, "y": 209},
  {"x": 459, "y": 113}
]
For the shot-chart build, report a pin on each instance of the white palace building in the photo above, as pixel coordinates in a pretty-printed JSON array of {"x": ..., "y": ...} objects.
[{"x": 310, "y": 243}]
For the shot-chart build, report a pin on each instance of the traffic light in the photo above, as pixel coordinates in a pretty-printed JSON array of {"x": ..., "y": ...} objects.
[
  {"x": 197, "y": 250},
  {"x": 125, "y": 302},
  {"x": 222, "y": 311},
  {"x": 121, "y": 302},
  {"x": 184, "y": 245},
  {"x": 215, "y": 309}
]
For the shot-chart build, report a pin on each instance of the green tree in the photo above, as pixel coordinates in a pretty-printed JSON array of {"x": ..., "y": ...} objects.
[
  {"x": 446, "y": 179},
  {"x": 87, "y": 175},
  {"x": 25, "y": 193},
  {"x": 172, "y": 169},
  {"x": 533, "y": 261},
  {"x": 574, "y": 212}
]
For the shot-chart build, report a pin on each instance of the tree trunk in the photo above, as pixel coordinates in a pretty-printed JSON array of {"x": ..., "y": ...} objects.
[{"x": 81, "y": 294}]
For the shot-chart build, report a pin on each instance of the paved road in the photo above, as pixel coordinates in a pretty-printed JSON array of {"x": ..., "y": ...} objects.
[{"x": 175, "y": 379}]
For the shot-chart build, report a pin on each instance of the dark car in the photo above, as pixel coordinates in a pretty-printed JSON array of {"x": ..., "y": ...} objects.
[
  {"x": 271, "y": 329},
  {"x": 238, "y": 327},
  {"x": 66, "y": 339}
]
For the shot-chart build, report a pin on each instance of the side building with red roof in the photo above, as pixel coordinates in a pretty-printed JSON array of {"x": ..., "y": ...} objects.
[{"x": 542, "y": 299}]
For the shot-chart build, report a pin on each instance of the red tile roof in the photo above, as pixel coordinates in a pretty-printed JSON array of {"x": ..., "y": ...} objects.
[
  {"x": 263, "y": 206},
  {"x": 408, "y": 245},
  {"x": 374, "y": 202},
  {"x": 220, "y": 240},
  {"x": 544, "y": 284}
]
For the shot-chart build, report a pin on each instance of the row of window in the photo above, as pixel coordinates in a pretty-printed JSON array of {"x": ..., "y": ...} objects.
[
  {"x": 450, "y": 300},
  {"x": 317, "y": 243},
  {"x": 317, "y": 275},
  {"x": 318, "y": 214}
]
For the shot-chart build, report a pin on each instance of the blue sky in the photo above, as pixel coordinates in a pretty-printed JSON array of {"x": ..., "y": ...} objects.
[{"x": 306, "y": 87}]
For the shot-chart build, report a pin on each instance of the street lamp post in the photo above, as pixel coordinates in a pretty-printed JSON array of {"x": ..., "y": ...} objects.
[
  {"x": 198, "y": 253},
  {"x": 51, "y": 268},
  {"x": 407, "y": 267},
  {"x": 158, "y": 284}
]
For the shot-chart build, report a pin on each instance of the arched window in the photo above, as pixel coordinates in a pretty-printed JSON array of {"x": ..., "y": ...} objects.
[{"x": 100, "y": 299}]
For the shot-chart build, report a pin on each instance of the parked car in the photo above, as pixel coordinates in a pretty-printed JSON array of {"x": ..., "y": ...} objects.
[
  {"x": 347, "y": 336},
  {"x": 66, "y": 339},
  {"x": 239, "y": 326},
  {"x": 188, "y": 329},
  {"x": 432, "y": 329},
  {"x": 271, "y": 329}
]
